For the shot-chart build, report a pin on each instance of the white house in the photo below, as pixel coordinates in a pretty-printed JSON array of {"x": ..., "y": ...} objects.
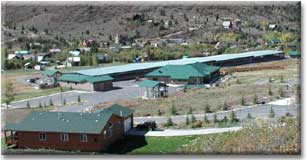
[{"x": 227, "y": 24}]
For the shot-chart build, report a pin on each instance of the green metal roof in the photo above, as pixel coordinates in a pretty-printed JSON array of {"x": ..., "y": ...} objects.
[
  {"x": 99, "y": 78},
  {"x": 118, "y": 110},
  {"x": 295, "y": 53},
  {"x": 50, "y": 72},
  {"x": 69, "y": 122},
  {"x": 70, "y": 77},
  {"x": 148, "y": 83},
  {"x": 184, "y": 72}
]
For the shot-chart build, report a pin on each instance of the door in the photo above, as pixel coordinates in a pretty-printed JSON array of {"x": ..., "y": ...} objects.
[{"x": 127, "y": 124}]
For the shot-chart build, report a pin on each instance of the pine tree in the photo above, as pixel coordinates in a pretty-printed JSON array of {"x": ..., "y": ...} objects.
[
  {"x": 242, "y": 102},
  {"x": 159, "y": 112},
  {"x": 45, "y": 105},
  {"x": 225, "y": 119},
  {"x": 193, "y": 118},
  {"x": 206, "y": 119},
  {"x": 215, "y": 119},
  {"x": 28, "y": 104},
  {"x": 169, "y": 122},
  {"x": 173, "y": 109},
  {"x": 272, "y": 113},
  {"x": 64, "y": 102},
  {"x": 233, "y": 117},
  {"x": 50, "y": 102},
  {"x": 40, "y": 106},
  {"x": 281, "y": 92},
  {"x": 249, "y": 116},
  {"x": 255, "y": 100},
  {"x": 187, "y": 119},
  {"x": 207, "y": 108},
  {"x": 270, "y": 91},
  {"x": 282, "y": 79},
  {"x": 225, "y": 106},
  {"x": 190, "y": 110},
  {"x": 79, "y": 98}
]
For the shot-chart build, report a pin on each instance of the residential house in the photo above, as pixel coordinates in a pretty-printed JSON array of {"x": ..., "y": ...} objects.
[
  {"x": 73, "y": 61},
  {"x": 272, "y": 26},
  {"x": 51, "y": 77},
  {"x": 71, "y": 131},
  {"x": 88, "y": 42},
  {"x": 295, "y": 54},
  {"x": 54, "y": 50}
]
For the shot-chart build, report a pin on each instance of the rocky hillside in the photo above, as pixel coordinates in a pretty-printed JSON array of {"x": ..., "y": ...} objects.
[{"x": 132, "y": 20}]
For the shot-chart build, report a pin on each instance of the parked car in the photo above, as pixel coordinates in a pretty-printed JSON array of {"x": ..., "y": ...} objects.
[{"x": 147, "y": 126}]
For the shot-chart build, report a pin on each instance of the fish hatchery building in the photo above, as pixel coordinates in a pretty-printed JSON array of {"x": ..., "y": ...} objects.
[
  {"x": 71, "y": 131},
  {"x": 131, "y": 71},
  {"x": 87, "y": 83},
  {"x": 196, "y": 73}
]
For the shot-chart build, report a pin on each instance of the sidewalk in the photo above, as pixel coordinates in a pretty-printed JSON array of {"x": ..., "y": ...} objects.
[{"x": 182, "y": 132}]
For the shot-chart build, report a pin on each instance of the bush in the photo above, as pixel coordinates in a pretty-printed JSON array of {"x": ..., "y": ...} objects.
[
  {"x": 215, "y": 119},
  {"x": 79, "y": 99},
  {"x": 169, "y": 122},
  {"x": 255, "y": 100},
  {"x": 187, "y": 119},
  {"x": 281, "y": 92},
  {"x": 193, "y": 118},
  {"x": 225, "y": 106},
  {"x": 270, "y": 91},
  {"x": 64, "y": 102},
  {"x": 197, "y": 124},
  {"x": 234, "y": 117},
  {"x": 207, "y": 109},
  {"x": 159, "y": 113},
  {"x": 249, "y": 116},
  {"x": 242, "y": 102},
  {"x": 173, "y": 110},
  {"x": 40, "y": 106}
]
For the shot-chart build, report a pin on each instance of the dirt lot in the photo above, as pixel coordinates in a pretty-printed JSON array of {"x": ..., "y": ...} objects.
[{"x": 241, "y": 84}]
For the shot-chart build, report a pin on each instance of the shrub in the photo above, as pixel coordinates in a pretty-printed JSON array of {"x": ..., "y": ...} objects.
[
  {"x": 270, "y": 91},
  {"x": 207, "y": 109},
  {"x": 215, "y": 119},
  {"x": 206, "y": 119},
  {"x": 225, "y": 106},
  {"x": 40, "y": 106},
  {"x": 64, "y": 102},
  {"x": 190, "y": 110},
  {"x": 281, "y": 92},
  {"x": 169, "y": 122},
  {"x": 159, "y": 113},
  {"x": 255, "y": 100},
  {"x": 187, "y": 119},
  {"x": 193, "y": 118},
  {"x": 249, "y": 116},
  {"x": 197, "y": 124}
]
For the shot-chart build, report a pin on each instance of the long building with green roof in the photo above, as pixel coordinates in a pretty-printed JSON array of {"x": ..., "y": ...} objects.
[{"x": 196, "y": 73}]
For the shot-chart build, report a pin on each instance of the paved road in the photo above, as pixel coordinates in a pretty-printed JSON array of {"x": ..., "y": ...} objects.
[
  {"x": 255, "y": 111},
  {"x": 182, "y": 132},
  {"x": 128, "y": 90}
]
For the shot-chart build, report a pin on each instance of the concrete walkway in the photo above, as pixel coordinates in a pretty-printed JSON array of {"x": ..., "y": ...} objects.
[{"x": 182, "y": 132}]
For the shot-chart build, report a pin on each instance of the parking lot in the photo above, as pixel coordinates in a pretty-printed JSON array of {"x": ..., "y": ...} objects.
[{"x": 124, "y": 90}]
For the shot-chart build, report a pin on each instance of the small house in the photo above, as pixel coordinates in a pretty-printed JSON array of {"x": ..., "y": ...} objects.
[
  {"x": 70, "y": 131},
  {"x": 73, "y": 61},
  {"x": 295, "y": 54},
  {"x": 153, "y": 89},
  {"x": 227, "y": 24},
  {"x": 51, "y": 77}
]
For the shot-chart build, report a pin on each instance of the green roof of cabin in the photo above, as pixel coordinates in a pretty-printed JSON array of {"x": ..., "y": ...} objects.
[
  {"x": 99, "y": 78},
  {"x": 79, "y": 78},
  {"x": 69, "y": 122},
  {"x": 184, "y": 72},
  {"x": 50, "y": 72},
  {"x": 295, "y": 53},
  {"x": 148, "y": 83},
  {"x": 118, "y": 110},
  {"x": 71, "y": 77}
]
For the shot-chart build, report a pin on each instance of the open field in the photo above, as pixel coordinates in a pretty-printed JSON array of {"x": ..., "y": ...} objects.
[{"x": 240, "y": 84}]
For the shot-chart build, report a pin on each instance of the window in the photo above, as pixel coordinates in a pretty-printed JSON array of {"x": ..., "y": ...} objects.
[
  {"x": 83, "y": 137},
  {"x": 64, "y": 136},
  {"x": 42, "y": 136},
  {"x": 110, "y": 130}
]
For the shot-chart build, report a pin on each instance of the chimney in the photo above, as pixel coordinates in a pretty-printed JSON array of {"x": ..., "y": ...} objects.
[{"x": 121, "y": 113}]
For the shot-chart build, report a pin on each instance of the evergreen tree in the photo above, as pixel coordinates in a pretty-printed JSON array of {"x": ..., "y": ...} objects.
[
  {"x": 242, "y": 102},
  {"x": 64, "y": 102},
  {"x": 187, "y": 119},
  {"x": 255, "y": 100},
  {"x": 272, "y": 113},
  {"x": 79, "y": 98},
  {"x": 206, "y": 119},
  {"x": 193, "y": 118},
  {"x": 215, "y": 118},
  {"x": 270, "y": 91},
  {"x": 50, "y": 102},
  {"x": 159, "y": 112},
  {"x": 225, "y": 119},
  {"x": 207, "y": 108},
  {"x": 173, "y": 109},
  {"x": 281, "y": 92},
  {"x": 225, "y": 106},
  {"x": 40, "y": 106},
  {"x": 282, "y": 79},
  {"x": 234, "y": 117},
  {"x": 28, "y": 104},
  {"x": 169, "y": 122},
  {"x": 249, "y": 116},
  {"x": 190, "y": 110}
]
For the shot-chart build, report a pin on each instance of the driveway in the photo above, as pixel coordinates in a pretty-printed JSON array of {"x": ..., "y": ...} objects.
[
  {"x": 182, "y": 132},
  {"x": 127, "y": 90},
  {"x": 255, "y": 111}
]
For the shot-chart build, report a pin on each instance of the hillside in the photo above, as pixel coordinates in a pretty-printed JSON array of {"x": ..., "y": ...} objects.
[{"x": 102, "y": 21}]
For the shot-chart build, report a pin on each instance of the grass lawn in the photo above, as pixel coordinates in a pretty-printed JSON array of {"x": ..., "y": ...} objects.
[{"x": 3, "y": 145}]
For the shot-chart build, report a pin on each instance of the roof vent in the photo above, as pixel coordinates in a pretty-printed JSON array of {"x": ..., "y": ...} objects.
[
  {"x": 96, "y": 120},
  {"x": 40, "y": 114},
  {"x": 81, "y": 113},
  {"x": 99, "y": 115},
  {"x": 33, "y": 118},
  {"x": 67, "y": 121}
]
